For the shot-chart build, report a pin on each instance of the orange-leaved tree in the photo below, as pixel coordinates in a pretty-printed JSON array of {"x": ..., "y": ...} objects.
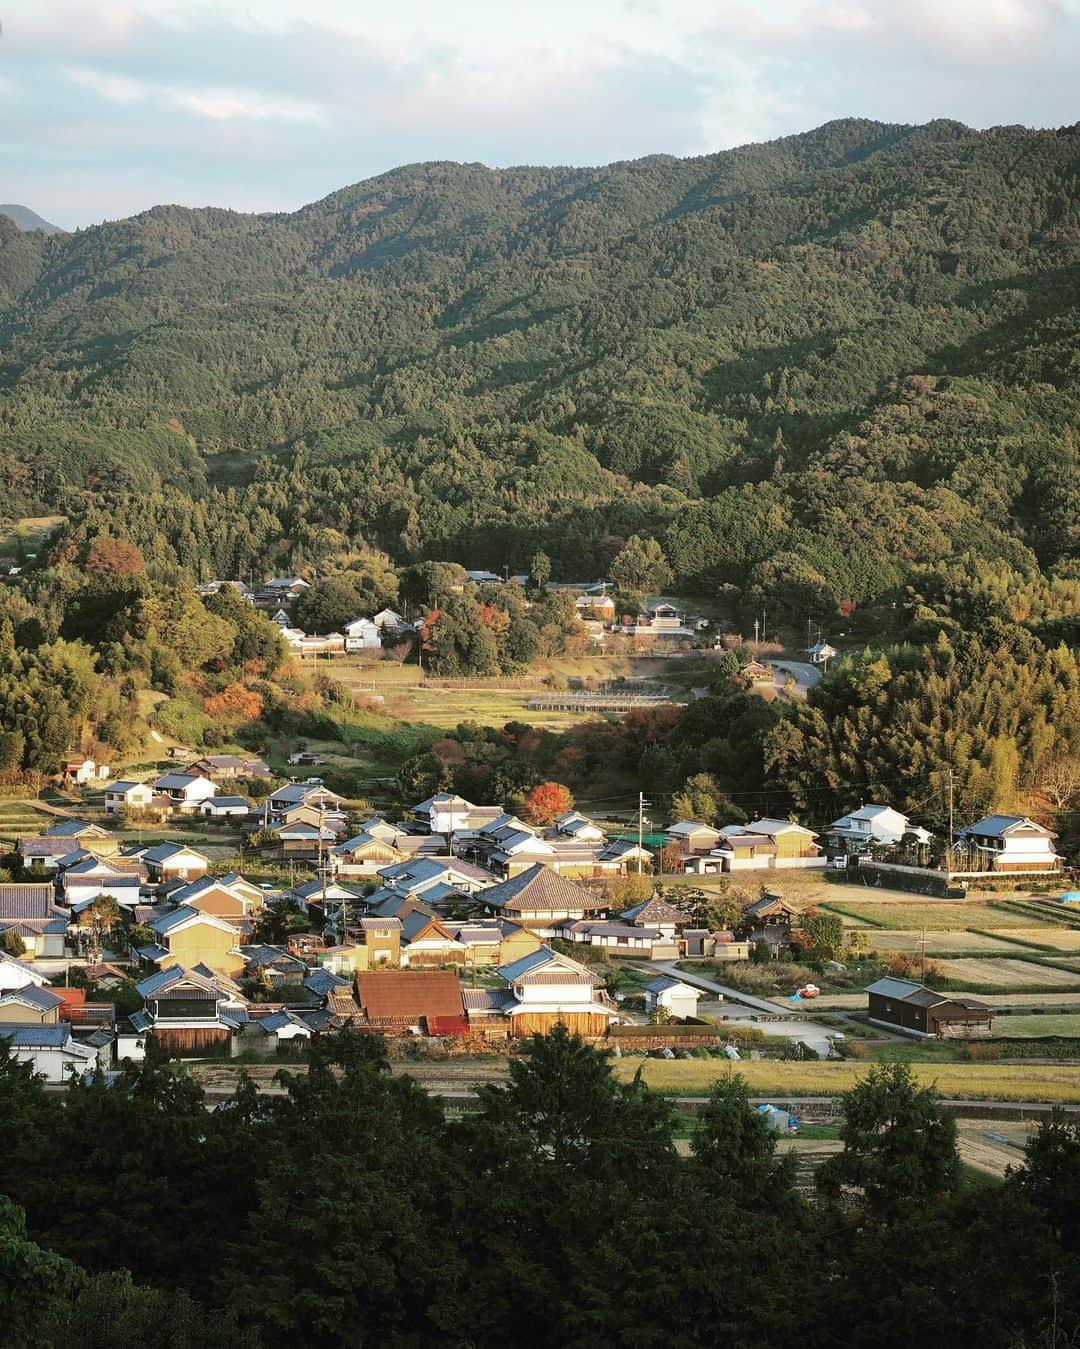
[{"x": 545, "y": 803}]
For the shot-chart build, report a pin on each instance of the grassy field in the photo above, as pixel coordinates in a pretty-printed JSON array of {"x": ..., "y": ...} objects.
[
  {"x": 975, "y": 1081},
  {"x": 27, "y": 534},
  {"x": 934, "y": 916},
  {"x": 18, "y": 818},
  {"x": 1065, "y": 1024},
  {"x": 1005, "y": 974}
]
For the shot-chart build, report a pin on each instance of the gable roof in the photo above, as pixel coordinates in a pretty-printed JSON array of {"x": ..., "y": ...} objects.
[
  {"x": 164, "y": 852},
  {"x": 545, "y": 966},
  {"x": 73, "y": 828},
  {"x": 168, "y": 979},
  {"x": 47, "y": 1037},
  {"x": 998, "y": 826},
  {"x": 654, "y": 910},
  {"x": 538, "y": 889},
  {"x": 665, "y": 982},
  {"x": 26, "y": 899},
  {"x": 687, "y": 827},
  {"x": 44, "y": 999},
  {"x": 393, "y": 994},
  {"x": 893, "y": 988}
]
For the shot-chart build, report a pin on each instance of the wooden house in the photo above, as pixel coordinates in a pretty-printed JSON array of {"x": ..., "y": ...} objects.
[
  {"x": 1010, "y": 843},
  {"x": 400, "y": 1000},
  {"x": 229, "y": 897},
  {"x": 30, "y": 1005},
  {"x": 545, "y": 989},
  {"x": 189, "y": 1012},
  {"x": 901, "y": 1005},
  {"x": 174, "y": 862},
  {"x": 364, "y": 854}
]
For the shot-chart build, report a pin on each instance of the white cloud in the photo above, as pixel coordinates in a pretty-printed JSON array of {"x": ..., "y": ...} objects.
[{"x": 217, "y": 104}]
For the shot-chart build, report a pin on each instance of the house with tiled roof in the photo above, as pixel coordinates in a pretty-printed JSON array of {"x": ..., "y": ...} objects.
[
  {"x": 28, "y": 909},
  {"x": 1009, "y": 843},
  {"x": 447, "y": 813},
  {"x": 76, "y": 829},
  {"x": 128, "y": 795},
  {"x": 543, "y": 900},
  {"x": 30, "y": 1005},
  {"x": 399, "y": 1000},
  {"x": 230, "y": 897},
  {"x": 16, "y": 973},
  {"x": 364, "y": 854},
  {"x": 546, "y": 989},
  {"x": 174, "y": 862},
  {"x": 52, "y": 1050},
  {"x": 187, "y": 938},
  {"x": 184, "y": 790},
  {"x": 191, "y": 1013},
  {"x": 88, "y": 879},
  {"x": 672, "y": 996}
]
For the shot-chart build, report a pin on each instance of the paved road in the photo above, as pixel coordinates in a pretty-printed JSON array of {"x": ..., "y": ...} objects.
[
  {"x": 804, "y": 674},
  {"x": 794, "y": 1027}
]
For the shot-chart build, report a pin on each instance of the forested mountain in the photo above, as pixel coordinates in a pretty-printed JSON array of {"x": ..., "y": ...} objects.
[
  {"x": 27, "y": 219},
  {"x": 807, "y": 367}
]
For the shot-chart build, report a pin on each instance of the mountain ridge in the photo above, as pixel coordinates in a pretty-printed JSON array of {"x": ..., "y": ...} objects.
[
  {"x": 474, "y": 362},
  {"x": 26, "y": 219}
]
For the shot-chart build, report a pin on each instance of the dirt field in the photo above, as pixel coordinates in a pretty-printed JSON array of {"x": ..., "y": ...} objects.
[
  {"x": 1010, "y": 974},
  {"x": 938, "y": 943},
  {"x": 987, "y": 1154}
]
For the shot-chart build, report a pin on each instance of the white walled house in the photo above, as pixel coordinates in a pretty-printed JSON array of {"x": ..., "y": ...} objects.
[
  {"x": 132, "y": 795},
  {"x": 876, "y": 825},
  {"x": 185, "y": 790},
  {"x": 1011, "y": 843},
  {"x": 546, "y": 990},
  {"x": 675, "y": 997},
  {"x": 363, "y": 634},
  {"x": 52, "y": 1051}
]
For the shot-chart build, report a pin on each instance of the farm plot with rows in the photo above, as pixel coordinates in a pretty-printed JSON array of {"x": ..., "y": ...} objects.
[
  {"x": 1005, "y": 974},
  {"x": 944, "y": 916}
]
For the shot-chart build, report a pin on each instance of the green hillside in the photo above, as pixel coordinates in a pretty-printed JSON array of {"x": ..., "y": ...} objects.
[{"x": 806, "y": 367}]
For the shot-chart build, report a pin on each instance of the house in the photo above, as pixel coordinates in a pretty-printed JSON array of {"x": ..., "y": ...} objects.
[
  {"x": 507, "y": 846},
  {"x": 1011, "y": 843},
  {"x": 187, "y": 937},
  {"x": 541, "y": 899},
  {"x": 869, "y": 825},
  {"x": 664, "y": 616},
  {"x": 756, "y": 672},
  {"x": 229, "y": 897},
  {"x": 693, "y": 837},
  {"x": 364, "y": 854},
  {"x": 27, "y": 908},
  {"x": 225, "y": 807},
  {"x": 191, "y": 1013},
  {"x": 225, "y": 767},
  {"x": 545, "y": 989},
  {"x": 617, "y": 936},
  {"x": 446, "y": 813},
  {"x": 901, "y": 1005},
  {"x": 81, "y": 830},
  {"x": 266, "y": 1032},
  {"x": 174, "y": 862},
  {"x": 363, "y": 634},
  {"x": 82, "y": 771},
  {"x": 768, "y": 843},
  {"x": 30, "y": 1005},
  {"x": 426, "y": 941},
  {"x": 821, "y": 653},
  {"x": 185, "y": 790},
  {"x": 390, "y": 622},
  {"x": 401, "y": 1000},
  {"x": 481, "y": 578},
  {"x": 15, "y": 974},
  {"x": 381, "y": 941},
  {"x": 577, "y": 826},
  {"x": 679, "y": 1000},
  {"x": 53, "y": 1051},
  {"x": 124, "y": 795},
  {"x": 43, "y": 852},
  {"x": 88, "y": 879},
  {"x": 492, "y": 941},
  {"x": 279, "y": 592},
  {"x": 311, "y": 793},
  {"x": 436, "y": 879},
  {"x": 273, "y": 964},
  {"x": 324, "y": 892}
]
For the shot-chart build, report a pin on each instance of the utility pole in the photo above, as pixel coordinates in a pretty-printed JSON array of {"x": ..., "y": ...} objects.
[
  {"x": 948, "y": 863},
  {"x": 641, "y": 804},
  {"x": 756, "y": 625}
]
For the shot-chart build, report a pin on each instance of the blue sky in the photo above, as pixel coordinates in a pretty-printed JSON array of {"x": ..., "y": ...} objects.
[{"x": 111, "y": 106}]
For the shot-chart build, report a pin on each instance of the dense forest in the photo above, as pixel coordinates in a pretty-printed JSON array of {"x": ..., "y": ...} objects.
[
  {"x": 806, "y": 367},
  {"x": 351, "y": 1209}
]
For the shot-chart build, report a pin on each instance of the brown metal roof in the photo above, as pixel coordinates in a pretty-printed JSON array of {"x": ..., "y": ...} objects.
[{"x": 391, "y": 994}]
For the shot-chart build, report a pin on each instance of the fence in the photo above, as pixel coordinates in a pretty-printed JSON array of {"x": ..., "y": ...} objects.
[{"x": 597, "y": 702}]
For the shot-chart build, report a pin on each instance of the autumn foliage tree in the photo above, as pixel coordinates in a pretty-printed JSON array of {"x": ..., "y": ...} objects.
[
  {"x": 107, "y": 556},
  {"x": 234, "y": 703},
  {"x": 546, "y": 802}
]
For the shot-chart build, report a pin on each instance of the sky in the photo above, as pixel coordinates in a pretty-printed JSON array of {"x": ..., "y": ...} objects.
[{"x": 112, "y": 106}]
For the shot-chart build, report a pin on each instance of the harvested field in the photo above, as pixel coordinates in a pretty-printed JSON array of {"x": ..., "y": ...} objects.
[
  {"x": 978, "y": 1149},
  {"x": 944, "y": 943},
  {"x": 1065, "y": 1024},
  {"x": 973, "y": 1081},
  {"x": 1009, "y": 974},
  {"x": 857, "y": 1001},
  {"x": 940, "y": 916}
]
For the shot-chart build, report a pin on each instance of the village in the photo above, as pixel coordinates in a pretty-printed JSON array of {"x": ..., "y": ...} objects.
[{"x": 461, "y": 929}]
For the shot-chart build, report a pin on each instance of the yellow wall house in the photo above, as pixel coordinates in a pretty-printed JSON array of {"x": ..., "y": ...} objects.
[
  {"x": 188, "y": 938},
  {"x": 225, "y": 896},
  {"x": 30, "y": 1006}
]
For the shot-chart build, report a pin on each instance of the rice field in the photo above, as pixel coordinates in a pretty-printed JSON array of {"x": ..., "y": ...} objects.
[
  {"x": 1005, "y": 974},
  {"x": 974, "y": 1081},
  {"x": 941, "y": 916}
]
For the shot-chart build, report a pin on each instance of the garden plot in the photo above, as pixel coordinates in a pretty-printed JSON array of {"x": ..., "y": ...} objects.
[
  {"x": 943, "y": 916},
  {"x": 942, "y": 943},
  {"x": 1006, "y": 973}
]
